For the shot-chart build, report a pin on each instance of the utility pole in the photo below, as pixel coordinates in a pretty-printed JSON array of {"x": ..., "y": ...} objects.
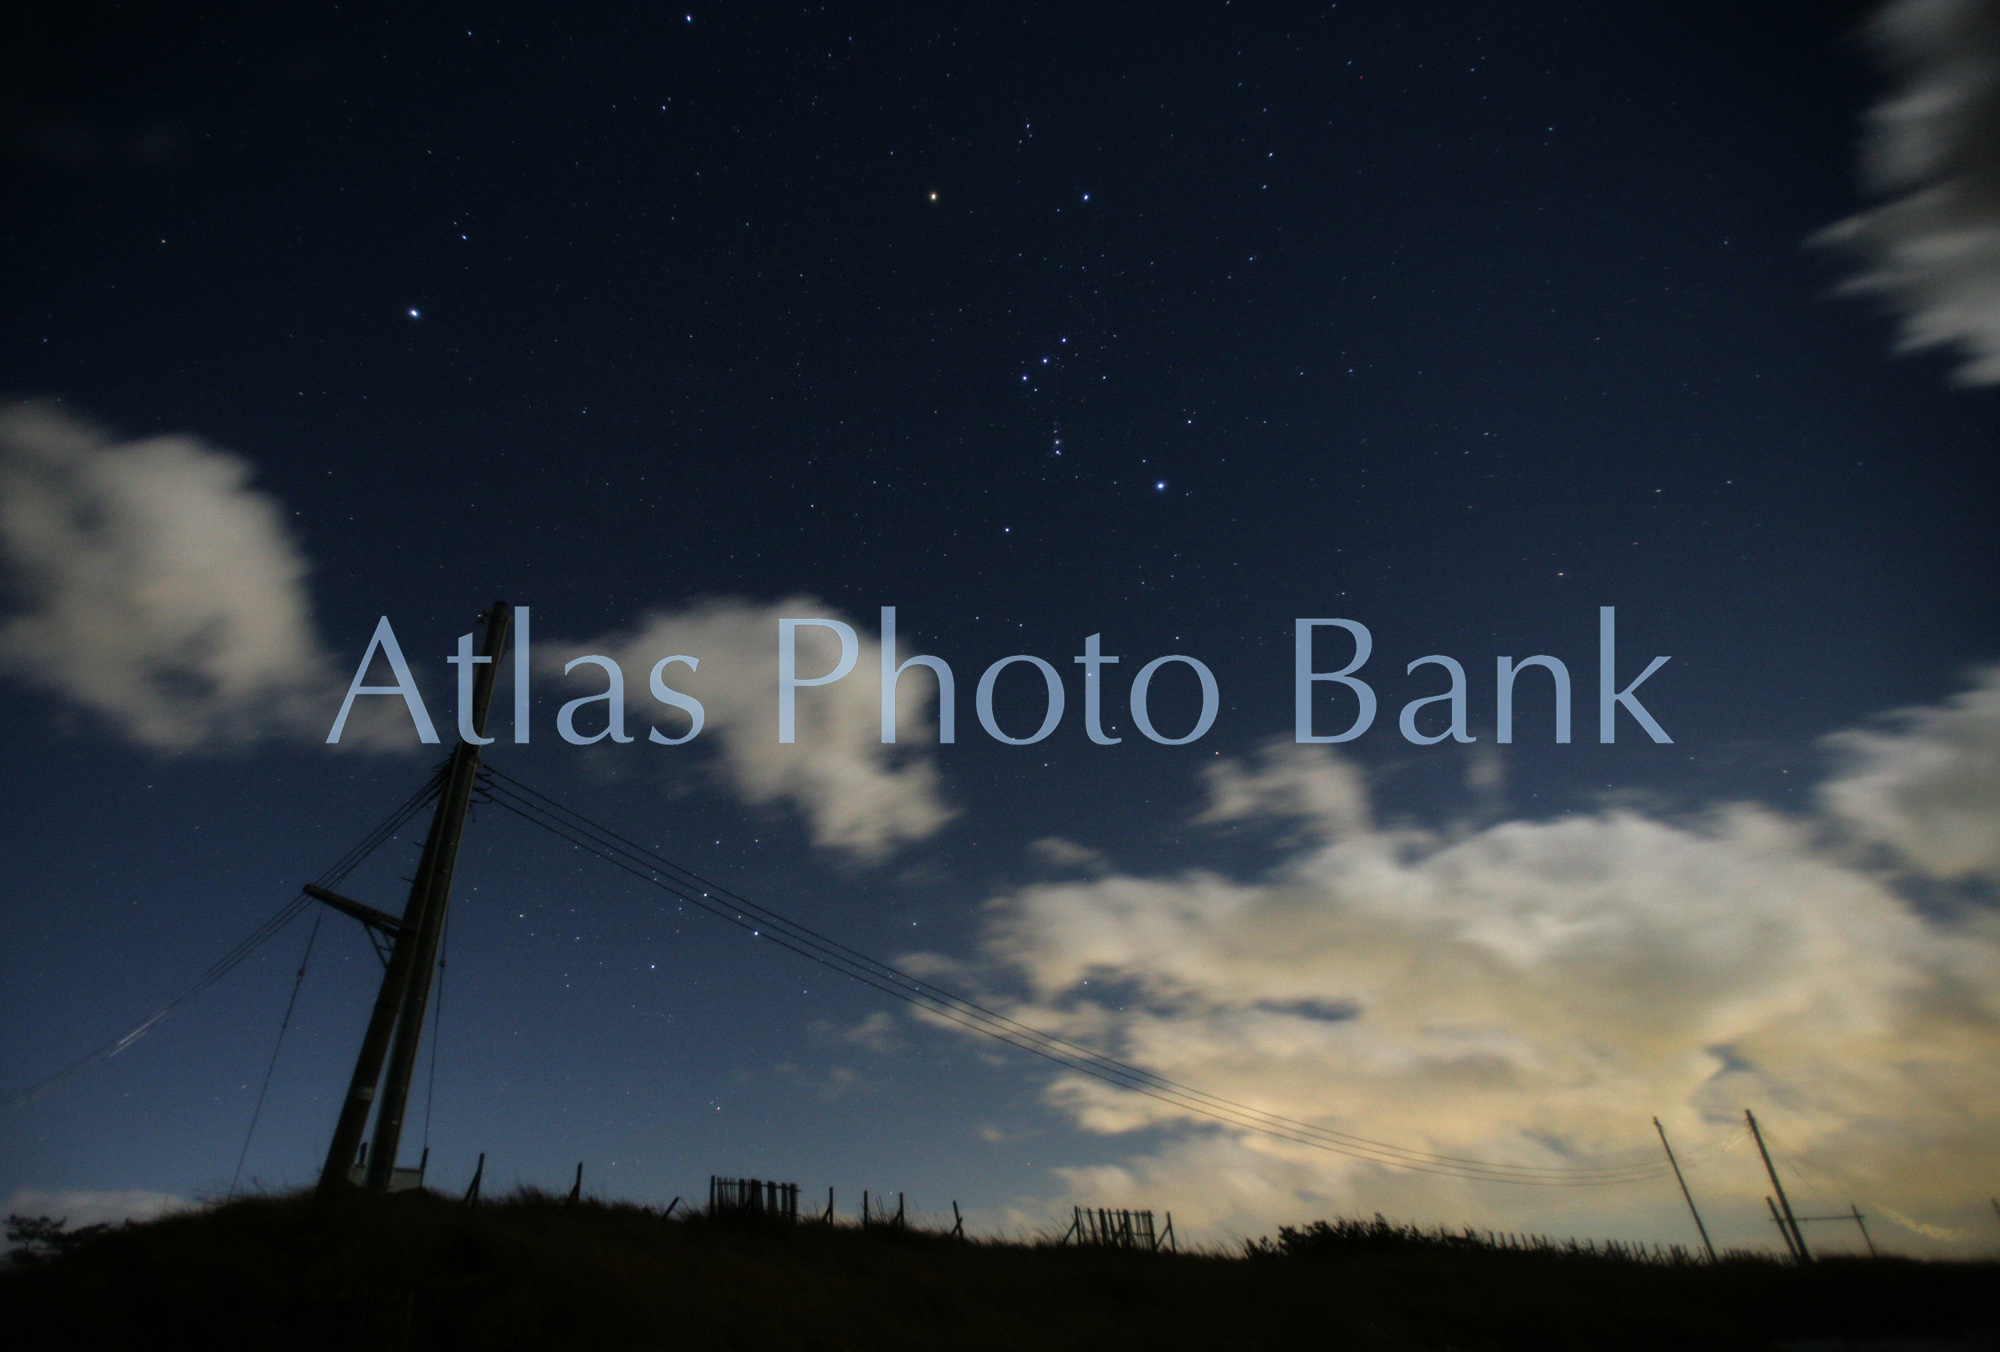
[
  {"x": 1684, "y": 1190},
  {"x": 1783, "y": 1233},
  {"x": 1798, "y": 1236},
  {"x": 406, "y": 984},
  {"x": 1860, "y": 1221}
]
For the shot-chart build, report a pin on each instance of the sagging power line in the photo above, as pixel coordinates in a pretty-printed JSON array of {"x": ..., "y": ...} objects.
[
  {"x": 687, "y": 886},
  {"x": 412, "y": 942}
]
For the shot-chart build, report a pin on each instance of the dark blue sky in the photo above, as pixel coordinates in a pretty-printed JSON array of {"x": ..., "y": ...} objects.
[{"x": 1170, "y": 323}]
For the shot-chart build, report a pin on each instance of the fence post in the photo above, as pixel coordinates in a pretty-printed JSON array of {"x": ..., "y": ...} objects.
[{"x": 576, "y": 1188}]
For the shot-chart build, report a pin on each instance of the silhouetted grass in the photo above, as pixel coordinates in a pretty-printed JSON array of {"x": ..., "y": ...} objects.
[{"x": 420, "y": 1271}]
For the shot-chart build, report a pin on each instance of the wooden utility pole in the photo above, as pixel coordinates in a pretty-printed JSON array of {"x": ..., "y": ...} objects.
[
  {"x": 1684, "y": 1189},
  {"x": 1798, "y": 1235},
  {"x": 406, "y": 984}
]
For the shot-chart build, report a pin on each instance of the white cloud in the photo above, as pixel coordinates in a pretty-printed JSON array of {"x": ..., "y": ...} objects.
[
  {"x": 858, "y": 794},
  {"x": 157, "y": 589},
  {"x": 1933, "y": 250},
  {"x": 161, "y": 592},
  {"x": 1535, "y": 992}
]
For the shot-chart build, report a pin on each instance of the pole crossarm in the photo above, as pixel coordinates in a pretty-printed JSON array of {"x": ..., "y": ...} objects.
[{"x": 367, "y": 915}]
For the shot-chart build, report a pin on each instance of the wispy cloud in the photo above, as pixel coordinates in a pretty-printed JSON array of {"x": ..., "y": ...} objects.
[
  {"x": 1534, "y": 992},
  {"x": 1059, "y": 853},
  {"x": 1932, "y": 251},
  {"x": 1926, "y": 784}
]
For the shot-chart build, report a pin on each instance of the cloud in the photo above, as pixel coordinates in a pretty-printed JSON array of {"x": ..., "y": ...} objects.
[
  {"x": 1534, "y": 992},
  {"x": 157, "y": 589},
  {"x": 81, "y": 1208},
  {"x": 160, "y": 591},
  {"x": 856, "y": 793},
  {"x": 876, "y": 1033},
  {"x": 1059, "y": 853},
  {"x": 1933, "y": 250},
  {"x": 1928, "y": 784}
]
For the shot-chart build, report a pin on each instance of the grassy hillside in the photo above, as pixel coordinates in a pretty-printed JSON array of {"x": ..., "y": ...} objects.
[{"x": 420, "y": 1271}]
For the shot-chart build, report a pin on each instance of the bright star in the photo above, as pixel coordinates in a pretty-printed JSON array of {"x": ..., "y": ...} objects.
[
  {"x": 1161, "y": 485},
  {"x": 415, "y": 315}
]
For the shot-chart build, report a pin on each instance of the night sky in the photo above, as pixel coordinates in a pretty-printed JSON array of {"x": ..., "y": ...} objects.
[{"x": 1170, "y": 324}]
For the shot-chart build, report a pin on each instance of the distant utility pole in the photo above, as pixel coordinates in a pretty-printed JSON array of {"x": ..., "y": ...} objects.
[
  {"x": 1684, "y": 1190},
  {"x": 1864, "y": 1230},
  {"x": 406, "y": 984},
  {"x": 1791, "y": 1221}
]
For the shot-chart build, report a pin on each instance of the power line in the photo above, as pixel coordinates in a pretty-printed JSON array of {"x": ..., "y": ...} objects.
[
  {"x": 650, "y": 867},
  {"x": 249, "y": 944},
  {"x": 966, "y": 1013},
  {"x": 277, "y": 1046}
]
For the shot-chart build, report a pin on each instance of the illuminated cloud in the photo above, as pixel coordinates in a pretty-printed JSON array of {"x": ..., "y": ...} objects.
[
  {"x": 1932, "y": 251},
  {"x": 1927, "y": 785},
  {"x": 857, "y": 794},
  {"x": 1534, "y": 992},
  {"x": 157, "y": 588}
]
